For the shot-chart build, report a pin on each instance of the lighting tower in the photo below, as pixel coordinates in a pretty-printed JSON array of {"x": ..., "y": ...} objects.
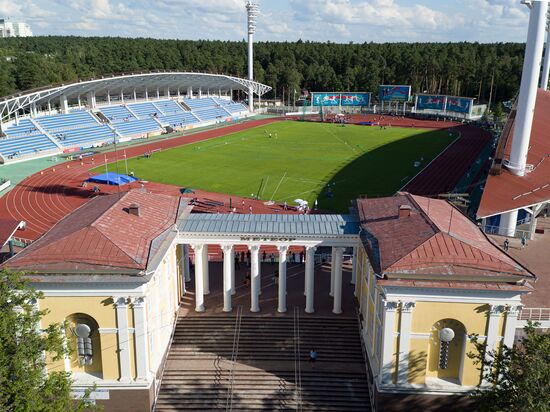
[
  {"x": 253, "y": 10},
  {"x": 546, "y": 67},
  {"x": 529, "y": 86}
]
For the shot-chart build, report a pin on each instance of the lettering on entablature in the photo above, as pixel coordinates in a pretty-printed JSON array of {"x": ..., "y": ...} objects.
[{"x": 268, "y": 239}]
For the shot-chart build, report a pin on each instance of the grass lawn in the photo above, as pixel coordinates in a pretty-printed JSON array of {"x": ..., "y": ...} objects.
[{"x": 300, "y": 160}]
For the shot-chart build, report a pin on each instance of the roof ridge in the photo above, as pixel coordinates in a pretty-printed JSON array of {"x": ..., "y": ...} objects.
[
  {"x": 120, "y": 197},
  {"x": 426, "y": 217},
  {"x": 114, "y": 243}
]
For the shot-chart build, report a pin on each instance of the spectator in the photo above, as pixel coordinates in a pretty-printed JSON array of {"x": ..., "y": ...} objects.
[
  {"x": 523, "y": 241},
  {"x": 506, "y": 245}
]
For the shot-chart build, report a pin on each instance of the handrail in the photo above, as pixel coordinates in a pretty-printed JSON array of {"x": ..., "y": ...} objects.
[
  {"x": 297, "y": 363},
  {"x": 534, "y": 314},
  {"x": 370, "y": 384},
  {"x": 234, "y": 354}
]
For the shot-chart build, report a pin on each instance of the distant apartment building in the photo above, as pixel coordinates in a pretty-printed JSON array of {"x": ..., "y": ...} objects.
[{"x": 10, "y": 28}]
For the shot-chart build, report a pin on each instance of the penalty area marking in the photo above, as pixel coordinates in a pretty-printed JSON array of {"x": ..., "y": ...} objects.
[{"x": 277, "y": 188}]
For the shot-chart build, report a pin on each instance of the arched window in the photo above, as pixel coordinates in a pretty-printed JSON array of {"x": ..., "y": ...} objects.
[
  {"x": 446, "y": 352},
  {"x": 85, "y": 344}
]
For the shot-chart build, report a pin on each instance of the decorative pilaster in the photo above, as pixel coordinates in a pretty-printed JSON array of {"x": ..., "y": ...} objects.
[
  {"x": 123, "y": 337},
  {"x": 404, "y": 341},
  {"x": 141, "y": 337},
  {"x": 512, "y": 313},
  {"x": 388, "y": 326}
]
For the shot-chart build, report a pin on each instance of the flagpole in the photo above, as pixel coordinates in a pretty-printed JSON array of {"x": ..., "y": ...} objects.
[{"x": 126, "y": 161}]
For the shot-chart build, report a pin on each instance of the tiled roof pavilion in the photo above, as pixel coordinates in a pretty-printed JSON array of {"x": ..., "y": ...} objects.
[{"x": 432, "y": 242}]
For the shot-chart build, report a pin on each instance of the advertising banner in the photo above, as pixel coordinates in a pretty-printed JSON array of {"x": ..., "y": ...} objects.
[
  {"x": 355, "y": 99},
  {"x": 430, "y": 102},
  {"x": 459, "y": 104},
  {"x": 390, "y": 93},
  {"x": 326, "y": 99}
]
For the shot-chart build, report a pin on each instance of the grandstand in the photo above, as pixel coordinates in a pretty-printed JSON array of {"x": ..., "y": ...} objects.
[{"x": 88, "y": 114}]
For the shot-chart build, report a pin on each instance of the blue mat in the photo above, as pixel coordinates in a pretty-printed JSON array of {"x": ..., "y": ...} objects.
[{"x": 112, "y": 178}]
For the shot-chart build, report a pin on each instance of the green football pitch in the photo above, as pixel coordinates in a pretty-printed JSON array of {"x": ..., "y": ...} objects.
[{"x": 292, "y": 160}]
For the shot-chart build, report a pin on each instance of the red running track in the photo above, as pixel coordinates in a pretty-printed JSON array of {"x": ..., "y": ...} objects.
[{"x": 46, "y": 197}]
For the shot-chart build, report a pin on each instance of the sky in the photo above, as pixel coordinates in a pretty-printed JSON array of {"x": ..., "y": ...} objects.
[{"x": 340, "y": 21}]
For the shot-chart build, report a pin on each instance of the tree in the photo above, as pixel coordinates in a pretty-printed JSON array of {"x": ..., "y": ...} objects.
[
  {"x": 24, "y": 348},
  {"x": 518, "y": 378},
  {"x": 499, "y": 111}
]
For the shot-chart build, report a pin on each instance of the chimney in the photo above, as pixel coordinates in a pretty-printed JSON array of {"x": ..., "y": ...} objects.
[
  {"x": 133, "y": 209},
  {"x": 404, "y": 211}
]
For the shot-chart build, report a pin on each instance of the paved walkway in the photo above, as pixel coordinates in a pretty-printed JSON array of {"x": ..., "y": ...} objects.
[{"x": 536, "y": 257}]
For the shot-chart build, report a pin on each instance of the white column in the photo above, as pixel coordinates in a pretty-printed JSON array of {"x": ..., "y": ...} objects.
[
  {"x": 282, "y": 278},
  {"x": 158, "y": 93},
  {"x": 205, "y": 271},
  {"x": 199, "y": 278},
  {"x": 123, "y": 337},
  {"x": 121, "y": 95},
  {"x": 310, "y": 279},
  {"x": 91, "y": 100},
  {"x": 528, "y": 87},
  {"x": 108, "y": 97},
  {"x": 255, "y": 278},
  {"x": 189, "y": 92},
  {"x": 511, "y": 325},
  {"x": 387, "y": 341},
  {"x": 337, "y": 307},
  {"x": 227, "y": 264},
  {"x": 146, "y": 94},
  {"x": 63, "y": 104},
  {"x": 546, "y": 65},
  {"x": 167, "y": 92},
  {"x": 332, "y": 266},
  {"x": 233, "y": 271},
  {"x": 141, "y": 338},
  {"x": 508, "y": 223},
  {"x": 404, "y": 341},
  {"x": 200, "y": 93}
]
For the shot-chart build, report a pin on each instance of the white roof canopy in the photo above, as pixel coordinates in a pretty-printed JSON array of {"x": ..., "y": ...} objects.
[{"x": 127, "y": 83}]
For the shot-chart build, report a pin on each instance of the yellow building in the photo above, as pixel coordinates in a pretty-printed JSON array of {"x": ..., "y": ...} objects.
[
  {"x": 109, "y": 269},
  {"x": 428, "y": 280}
]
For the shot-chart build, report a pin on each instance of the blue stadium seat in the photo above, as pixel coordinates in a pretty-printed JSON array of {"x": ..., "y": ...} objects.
[
  {"x": 67, "y": 121},
  {"x": 116, "y": 113},
  {"x": 204, "y": 103},
  {"x": 85, "y": 136},
  {"x": 144, "y": 110},
  {"x": 135, "y": 127},
  {"x": 178, "y": 120},
  {"x": 211, "y": 114},
  {"x": 24, "y": 128},
  {"x": 169, "y": 107},
  {"x": 17, "y": 146},
  {"x": 235, "y": 107}
]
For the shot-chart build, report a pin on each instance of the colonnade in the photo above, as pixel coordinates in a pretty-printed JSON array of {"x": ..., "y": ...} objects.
[{"x": 202, "y": 276}]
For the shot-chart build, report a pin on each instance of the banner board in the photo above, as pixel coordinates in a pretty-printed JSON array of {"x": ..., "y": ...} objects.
[
  {"x": 430, "y": 102},
  {"x": 355, "y": 99},
  {"x": 459, "y": 104},
  {"x": 388, "y": 93},
  {"x": 344, "y": 98},
  {"x": 326, "y": 99}
]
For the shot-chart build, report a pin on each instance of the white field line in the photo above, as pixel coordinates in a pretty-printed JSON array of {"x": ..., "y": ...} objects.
[{"x": 277, "y": 188}]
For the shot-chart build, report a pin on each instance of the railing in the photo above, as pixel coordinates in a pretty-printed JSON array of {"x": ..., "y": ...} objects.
[
  {"x": 297, "y": 361},
  {"x": 534, "y": 314},
  {"x": 234, "y": 355},
  {"x": 502, "y": 231}
]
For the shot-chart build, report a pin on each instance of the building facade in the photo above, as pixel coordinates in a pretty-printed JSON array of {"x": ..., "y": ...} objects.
[
  {"x": 10, "y": 28},
  {"x": 426, "y": 279}
]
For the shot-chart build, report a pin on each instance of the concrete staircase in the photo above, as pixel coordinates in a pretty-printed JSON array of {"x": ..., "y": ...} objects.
[{"x": 262, "y": 363}]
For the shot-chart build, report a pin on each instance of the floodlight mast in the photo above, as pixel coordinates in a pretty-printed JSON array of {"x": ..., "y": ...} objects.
[
  {"x": 253, "y": 10},
  {"x": 529, "y": 85},
  {"x": 546, "y": 66}
]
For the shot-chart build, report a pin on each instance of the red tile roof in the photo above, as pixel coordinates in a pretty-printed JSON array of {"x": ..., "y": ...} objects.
[
  {"x": 506, "y": 191},
  {"x": 101, "y": 235},
  {"x": 435, "y": 240},
  {"x": 7, "y": 229}
]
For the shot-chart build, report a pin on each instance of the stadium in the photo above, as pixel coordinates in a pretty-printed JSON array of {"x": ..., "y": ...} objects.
[{"x": 203, "y": 250}]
